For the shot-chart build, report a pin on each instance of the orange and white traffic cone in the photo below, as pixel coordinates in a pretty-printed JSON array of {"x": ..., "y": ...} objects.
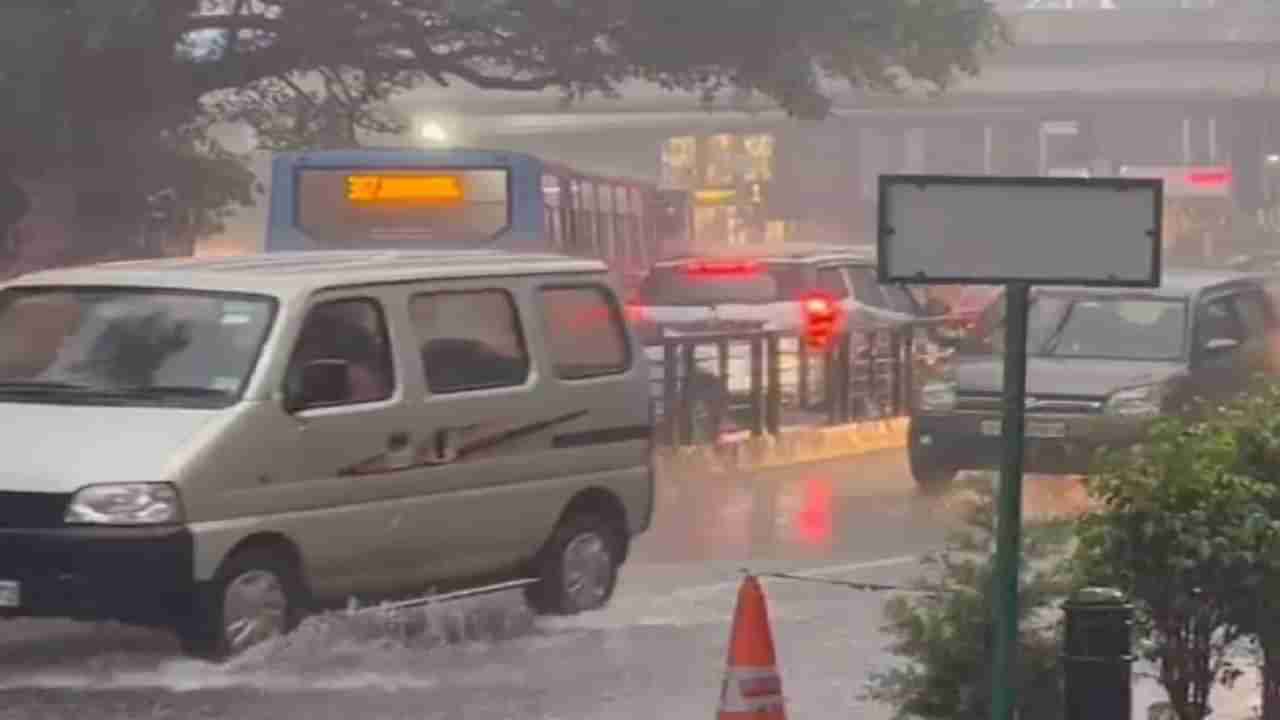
[{"x": 752, "y": 688}]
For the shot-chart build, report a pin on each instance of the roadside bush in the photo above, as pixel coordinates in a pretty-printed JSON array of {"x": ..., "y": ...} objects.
[
  {"x": 1183, "y": 528},
  {"x": 1255, "y": 419},
  {"x": 945, "y": 639}
]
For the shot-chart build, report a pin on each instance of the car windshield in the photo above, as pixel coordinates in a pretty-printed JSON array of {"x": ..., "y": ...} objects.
[
  {"x": 1100, "y": 327},
  {"x": 722, "y": 283},
  {"x": 129, "y": 345}
]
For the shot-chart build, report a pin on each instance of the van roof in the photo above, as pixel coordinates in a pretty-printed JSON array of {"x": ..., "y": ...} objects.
[{"x": 302, "y": 272}]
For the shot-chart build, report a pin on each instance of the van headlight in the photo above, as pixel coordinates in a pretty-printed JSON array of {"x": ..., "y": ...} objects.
[
  {"x": 125, "y": 504},
  {"x": 938, "y": 397},
  {"x": 1143, "y": 401}
]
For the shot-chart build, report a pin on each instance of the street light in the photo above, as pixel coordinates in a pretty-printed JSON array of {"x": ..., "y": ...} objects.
[{"x": 433, "y": 132}]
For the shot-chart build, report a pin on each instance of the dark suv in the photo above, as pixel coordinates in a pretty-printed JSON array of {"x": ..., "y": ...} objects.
[{"x": 1101, "y": 365}]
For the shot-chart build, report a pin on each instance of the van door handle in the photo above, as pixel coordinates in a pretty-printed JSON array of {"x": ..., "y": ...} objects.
[
  {"x": 448, "y": 444},
  {"x": 398, "y": 441}
]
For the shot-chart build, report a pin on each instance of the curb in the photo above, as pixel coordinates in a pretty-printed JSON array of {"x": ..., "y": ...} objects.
[{"x": 794, "y": 446}]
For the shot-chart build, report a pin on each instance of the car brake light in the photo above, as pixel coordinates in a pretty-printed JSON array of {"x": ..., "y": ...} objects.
[
  {"x": 707, "y": 267},
  {"x": 635, "y": 313},
  {"x": 817, "y": 306},
  {"x": 820, "y": 312}
]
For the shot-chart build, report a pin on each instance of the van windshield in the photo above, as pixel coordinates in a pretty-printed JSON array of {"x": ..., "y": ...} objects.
[{"x": 129, "y": 346}]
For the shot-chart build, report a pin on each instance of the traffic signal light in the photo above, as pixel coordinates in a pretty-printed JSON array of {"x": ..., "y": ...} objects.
[{"x": 820, "y": 315}]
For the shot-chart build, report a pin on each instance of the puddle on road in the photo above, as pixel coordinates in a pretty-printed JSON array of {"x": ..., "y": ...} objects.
[
  {"x": 489, "y": 642},
  {"x": 370, "y": 649}
]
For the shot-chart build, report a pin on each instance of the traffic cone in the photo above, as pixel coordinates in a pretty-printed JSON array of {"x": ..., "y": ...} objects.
[{"x": 752, "y": 688}]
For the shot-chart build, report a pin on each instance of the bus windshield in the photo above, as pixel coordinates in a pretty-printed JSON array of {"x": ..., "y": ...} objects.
[{"x": 350, "y": 207}]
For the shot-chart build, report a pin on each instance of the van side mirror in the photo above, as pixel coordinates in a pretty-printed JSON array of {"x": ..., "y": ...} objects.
[{"x": 323, "y": 382}]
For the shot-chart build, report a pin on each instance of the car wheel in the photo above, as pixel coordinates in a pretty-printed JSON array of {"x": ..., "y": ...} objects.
[
  {"x": 257, "y": 595},
  {"x": 578, "y": 568}
]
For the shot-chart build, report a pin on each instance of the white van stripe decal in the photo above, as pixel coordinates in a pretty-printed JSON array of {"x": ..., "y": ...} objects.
[{"x": 486, "y": 437}]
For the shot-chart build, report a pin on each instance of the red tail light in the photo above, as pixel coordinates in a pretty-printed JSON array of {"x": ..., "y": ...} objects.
[
  {"x": 635, "y": 313},
  {"x": 719, "y": 267},
  {"x": 818, "y": 306},
  {"x": 820, "y": 315}
]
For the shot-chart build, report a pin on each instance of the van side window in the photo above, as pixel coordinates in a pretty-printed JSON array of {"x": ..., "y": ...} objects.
[
  {"x": 470, "y": 340},
  {"x": 584, "y": 332},
  {"x": 355, "y": 332}
]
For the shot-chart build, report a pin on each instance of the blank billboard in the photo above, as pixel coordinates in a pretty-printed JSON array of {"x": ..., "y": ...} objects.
[{"x": 1045, "y": 231}]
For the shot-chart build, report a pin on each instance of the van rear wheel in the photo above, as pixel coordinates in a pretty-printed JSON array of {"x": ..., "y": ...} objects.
[
  {"x": 577, "y": 570},
  {"x": 256, "y": 596}
]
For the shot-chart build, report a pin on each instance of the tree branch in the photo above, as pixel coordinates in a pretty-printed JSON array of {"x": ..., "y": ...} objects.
[
  {"x": 231, "y": 23},
  {"x": 490, "y": 82}
]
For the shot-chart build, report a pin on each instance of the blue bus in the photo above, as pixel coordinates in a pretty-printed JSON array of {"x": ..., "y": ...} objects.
[{"x": 464, "y": 198}]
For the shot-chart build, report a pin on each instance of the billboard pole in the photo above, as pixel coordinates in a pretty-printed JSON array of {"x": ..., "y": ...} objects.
[
  {"x": 1009, "y": 508},
  {"x": 1017, "y": 232}
]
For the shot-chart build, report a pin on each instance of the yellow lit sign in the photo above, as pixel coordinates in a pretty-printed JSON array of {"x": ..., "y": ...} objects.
[
  {"x": 714, "y": 197},
  {"x": 404, "y": 188}
]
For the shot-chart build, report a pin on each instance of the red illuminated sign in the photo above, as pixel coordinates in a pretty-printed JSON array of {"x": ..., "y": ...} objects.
[{"x": 1186, "y": 181}]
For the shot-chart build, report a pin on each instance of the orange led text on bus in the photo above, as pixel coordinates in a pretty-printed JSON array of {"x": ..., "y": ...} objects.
[{"x": 434, "y": 189}]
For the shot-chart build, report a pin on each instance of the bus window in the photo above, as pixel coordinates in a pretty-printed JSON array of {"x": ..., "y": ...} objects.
[
  {"x": 551, "y": 224},
  {"x": 584, "y": 223},
  {"x": 604, "y": 223},
  {"x": 553, "y": 210},
  {"x": 621, "y": 229},
  {"x": 337, "y": 207}
]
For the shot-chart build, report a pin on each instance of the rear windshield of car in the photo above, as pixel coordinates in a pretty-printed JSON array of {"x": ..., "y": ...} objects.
[{"x": 747, "y": 285}]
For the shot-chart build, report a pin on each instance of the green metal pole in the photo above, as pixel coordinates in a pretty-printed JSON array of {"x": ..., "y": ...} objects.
[{"x": 1009, "y": 510}]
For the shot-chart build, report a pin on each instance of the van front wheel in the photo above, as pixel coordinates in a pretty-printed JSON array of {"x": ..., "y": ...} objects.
[
  {"x": 578, "y": 569},
  {"x": 256, "y": 596}
]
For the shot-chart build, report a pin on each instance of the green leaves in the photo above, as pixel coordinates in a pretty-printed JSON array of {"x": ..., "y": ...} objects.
[
  {"x": 946, "y": 639},
  {"x": 98, "y": 87},
  {"x": 1188, "y": 526}
]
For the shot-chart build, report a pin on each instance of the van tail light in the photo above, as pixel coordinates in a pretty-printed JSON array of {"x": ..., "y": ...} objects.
[{"x": 820, "y": 315}]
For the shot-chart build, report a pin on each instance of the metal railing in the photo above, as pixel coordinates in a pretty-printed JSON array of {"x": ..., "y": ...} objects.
[{"x": 771, "y": 380}]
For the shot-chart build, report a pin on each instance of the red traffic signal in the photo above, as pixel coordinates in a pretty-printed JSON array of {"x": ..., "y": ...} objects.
[{"x": 820, "y": 315}]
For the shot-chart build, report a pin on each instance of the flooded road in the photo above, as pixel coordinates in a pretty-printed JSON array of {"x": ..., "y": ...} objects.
[{"x": 656, "y": 652}]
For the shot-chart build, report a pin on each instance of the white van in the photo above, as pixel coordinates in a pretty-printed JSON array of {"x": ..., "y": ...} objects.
[{"x": 220, "y": 445}]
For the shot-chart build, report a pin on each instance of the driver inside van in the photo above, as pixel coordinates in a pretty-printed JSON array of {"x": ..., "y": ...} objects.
[{"x": 330, "y": 335}]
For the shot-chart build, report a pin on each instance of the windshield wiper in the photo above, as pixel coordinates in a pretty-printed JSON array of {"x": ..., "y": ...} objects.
[
  {"x": 1050, "y": 343},
  {"x": 52, "y": 388},
  {"x": 47, "y": 387},
  {"x": 190, "y": 391}
]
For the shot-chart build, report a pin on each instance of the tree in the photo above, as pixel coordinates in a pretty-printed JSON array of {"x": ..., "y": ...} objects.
[
  {"x": 112, "y": 95},
  {"x": 1255, "y": 419},
  {"x": 947, "y": 637},
  {"x": 1187, "y": 535}
]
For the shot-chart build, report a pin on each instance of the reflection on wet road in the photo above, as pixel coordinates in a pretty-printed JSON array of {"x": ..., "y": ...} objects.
[
  {"x": 811, "y": 513},
  {"x": 656, "y": 652}
]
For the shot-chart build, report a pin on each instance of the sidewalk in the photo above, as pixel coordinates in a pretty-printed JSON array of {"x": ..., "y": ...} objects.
[{"x": 1241, "y": 701}]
